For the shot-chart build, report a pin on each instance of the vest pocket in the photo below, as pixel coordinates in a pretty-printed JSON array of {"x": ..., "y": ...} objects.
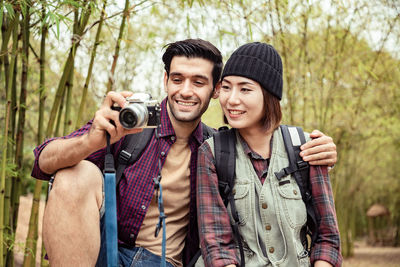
[
  {"x": 292, "y": 203},
  {"x": 242, "y": 201}
]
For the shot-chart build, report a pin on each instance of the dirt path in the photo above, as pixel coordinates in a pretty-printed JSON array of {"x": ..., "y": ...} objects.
[
  {"x": 22, "y": 229},
  {"x": 364, "y": 256}
]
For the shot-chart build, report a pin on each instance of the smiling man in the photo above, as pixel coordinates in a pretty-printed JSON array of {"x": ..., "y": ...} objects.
[{"x": 74, "y": 214}]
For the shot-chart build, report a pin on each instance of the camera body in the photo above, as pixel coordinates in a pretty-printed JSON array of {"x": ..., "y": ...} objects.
[{"x": 140, "y": 112}]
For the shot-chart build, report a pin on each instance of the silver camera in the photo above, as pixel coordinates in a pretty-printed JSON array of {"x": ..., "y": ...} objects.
[{"x": 140, "y": 112}]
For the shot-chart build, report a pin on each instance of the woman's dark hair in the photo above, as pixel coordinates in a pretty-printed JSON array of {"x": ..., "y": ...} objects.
[
  {"x": 192, "y": 48},
  {"x": 272, "y": 112}
]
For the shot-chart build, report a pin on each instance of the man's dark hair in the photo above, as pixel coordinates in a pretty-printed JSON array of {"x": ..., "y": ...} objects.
[{"x": 192, "y": 48}]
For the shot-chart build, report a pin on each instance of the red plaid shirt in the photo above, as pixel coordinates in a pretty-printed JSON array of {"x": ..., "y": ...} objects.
[
  {"x": 220, "y": 246},
  {"x": 136, "y": 188}
]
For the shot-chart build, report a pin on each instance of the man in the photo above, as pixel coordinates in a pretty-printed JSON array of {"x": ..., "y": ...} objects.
[{"x": 71, "y": 220}]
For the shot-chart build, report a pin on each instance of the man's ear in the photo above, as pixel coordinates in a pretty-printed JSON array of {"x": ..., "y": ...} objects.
[
  {"x": 165, "y": 81},
  {"x": 216, "y": 90}
]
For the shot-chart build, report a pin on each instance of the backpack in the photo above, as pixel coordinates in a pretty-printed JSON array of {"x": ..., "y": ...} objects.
[
  {"x": 134, "y": 144},
  {"x": 225, "y": 154}
]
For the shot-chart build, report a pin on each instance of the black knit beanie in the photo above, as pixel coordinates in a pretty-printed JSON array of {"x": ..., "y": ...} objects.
[{"x": 259, "y": 62}]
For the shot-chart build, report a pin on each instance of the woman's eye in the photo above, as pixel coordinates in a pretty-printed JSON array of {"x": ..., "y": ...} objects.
[
  {"x": 225, "y": 87},
  {"x": 246, "y": 90}
]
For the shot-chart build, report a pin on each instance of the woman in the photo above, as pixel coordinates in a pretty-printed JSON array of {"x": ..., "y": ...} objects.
[{"x": 271, "y": 218}]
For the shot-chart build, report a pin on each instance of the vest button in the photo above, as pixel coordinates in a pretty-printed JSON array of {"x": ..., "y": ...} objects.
[
  {"x": 233, "y": 191},
  {"x": 268, "y": 227},
  {"x": 271, "y": 250},
  {"x": 295, "y": 192},
  {"x": 264, "y": 205}
]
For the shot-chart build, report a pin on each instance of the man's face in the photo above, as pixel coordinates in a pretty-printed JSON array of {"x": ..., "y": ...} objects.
[{"x": 189, "y": 88}]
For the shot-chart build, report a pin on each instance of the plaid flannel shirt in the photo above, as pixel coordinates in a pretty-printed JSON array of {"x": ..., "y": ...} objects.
[
  {"x": 136, "y": 187},
  {"x": 219, "y": 248}
]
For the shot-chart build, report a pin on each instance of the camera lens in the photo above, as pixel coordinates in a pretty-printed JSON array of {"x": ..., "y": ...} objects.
[
  {"x": 133, "y": 115},
  {"x": 128, "y": 118}
]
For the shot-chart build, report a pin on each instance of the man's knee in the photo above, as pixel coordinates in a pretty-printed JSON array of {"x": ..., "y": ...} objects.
[{"x": 78, "y": 182}]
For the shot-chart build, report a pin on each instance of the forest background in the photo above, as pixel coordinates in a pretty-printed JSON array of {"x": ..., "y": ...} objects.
[{"x": 341, "y": 75}]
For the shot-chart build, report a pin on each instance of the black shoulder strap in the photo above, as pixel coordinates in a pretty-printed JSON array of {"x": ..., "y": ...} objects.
[
  {"x": 225, "y": 163},
  {"x": 224, "y": 153},
  {"x": 207, "y": 131},
  {"x": 131, "y": 148},
  {"x": 293, "y": 138}
]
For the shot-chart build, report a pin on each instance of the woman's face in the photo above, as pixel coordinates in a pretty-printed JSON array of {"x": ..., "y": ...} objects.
[{"x": 242, "y": 102}]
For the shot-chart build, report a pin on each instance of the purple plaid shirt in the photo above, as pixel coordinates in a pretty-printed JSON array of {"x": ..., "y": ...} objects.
[
  {"x": 220, "y": 245},
  {"x": 136, "y": 187}
]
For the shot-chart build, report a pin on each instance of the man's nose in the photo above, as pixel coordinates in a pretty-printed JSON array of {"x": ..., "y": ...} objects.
[{"x": 187, "y": 89}]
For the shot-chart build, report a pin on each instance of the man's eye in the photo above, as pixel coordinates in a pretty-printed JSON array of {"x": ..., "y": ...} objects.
[
  {"x": 199, "y": 83},
  {"x": 176, "y": 80}
]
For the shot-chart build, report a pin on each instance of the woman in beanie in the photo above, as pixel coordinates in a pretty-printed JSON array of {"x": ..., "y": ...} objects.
[{"x": 272, "y": 214}]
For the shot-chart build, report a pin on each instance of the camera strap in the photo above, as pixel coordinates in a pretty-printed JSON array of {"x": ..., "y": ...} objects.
[
  {"x": 110, "y": 202},
  {"x": 161, "y": 216}
]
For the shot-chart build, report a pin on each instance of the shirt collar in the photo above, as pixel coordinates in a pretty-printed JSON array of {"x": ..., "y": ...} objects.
[{"x": 247, "y": 150}]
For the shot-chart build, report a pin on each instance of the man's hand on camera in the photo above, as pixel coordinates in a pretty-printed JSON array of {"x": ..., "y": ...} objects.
[
  {"x": 319, "y": 151},
  {"x": 102, "y": 121}
]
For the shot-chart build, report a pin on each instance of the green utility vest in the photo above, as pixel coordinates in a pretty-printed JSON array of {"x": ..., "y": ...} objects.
[{"x": 271, "y": 215}]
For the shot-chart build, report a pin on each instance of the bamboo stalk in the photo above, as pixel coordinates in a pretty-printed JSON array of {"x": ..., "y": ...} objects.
[
  {"x": 42, "y": 97},
  {"x": 24, "y": 81},
  {"x": 6, "y": 32},
  {"x": 3, "y": 178},
  {"x": 32, "y": 232},
  {"x": 89, "y": 73},
  {"x": 110, "y": 85},
  {"x": 59, "y": 116},
  {"x": 70, "y": 81},
  {"x": 68, "y": 95},
  {"x": 8, "y": 227},
  {"x": 282, "y": 38},
  {"x": 66, "y": 72}
]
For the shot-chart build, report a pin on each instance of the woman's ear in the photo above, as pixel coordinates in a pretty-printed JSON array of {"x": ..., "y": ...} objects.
[{"x": 216, "y": 90}]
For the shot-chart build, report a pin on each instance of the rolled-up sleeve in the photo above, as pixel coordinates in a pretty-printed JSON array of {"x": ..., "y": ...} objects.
[
  {"x": 327, "y": 245},
  {"x": 97, "y": 157},
  {"x": 216, "y": 238}
]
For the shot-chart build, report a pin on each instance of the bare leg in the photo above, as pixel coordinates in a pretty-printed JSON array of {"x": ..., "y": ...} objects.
[{"x": 71, "y": 232}]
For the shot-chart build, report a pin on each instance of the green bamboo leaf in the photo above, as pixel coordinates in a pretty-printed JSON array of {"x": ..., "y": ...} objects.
[
  {"x": 222, "y": 32},
  {"x": 10, "y": 10},
  {"x": 250, "y": 31}
]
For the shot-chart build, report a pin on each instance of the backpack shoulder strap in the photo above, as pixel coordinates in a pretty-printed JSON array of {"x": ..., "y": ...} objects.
[
  {"x": 131, "y": 148},
  {"x": 293, "y": 138},
  {"x": 224, "y": 154},
  {"x": 207, "y": 131},
  {"x": 225, "y": 163}
]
